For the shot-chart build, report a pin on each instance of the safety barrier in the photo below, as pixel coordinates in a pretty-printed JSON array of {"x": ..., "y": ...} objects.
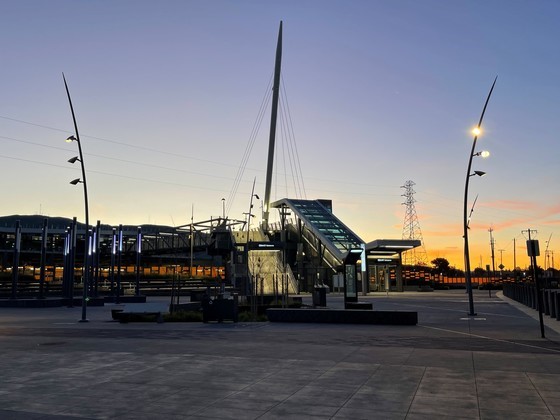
[{"x": 527, "y": 295}]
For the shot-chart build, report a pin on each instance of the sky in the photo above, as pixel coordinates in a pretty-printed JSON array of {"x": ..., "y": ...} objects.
[{"x": 374, "y": 93}]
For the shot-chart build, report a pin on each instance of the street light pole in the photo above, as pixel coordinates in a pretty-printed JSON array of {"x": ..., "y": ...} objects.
[
  {"x": 138, "y": 259},
  {"x": 74, "y": 182},
  {"x": 249, "y": 215},
  {"x": 476, "y": 132}
]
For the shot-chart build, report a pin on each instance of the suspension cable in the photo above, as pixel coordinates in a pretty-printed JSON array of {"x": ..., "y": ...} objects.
[{"x": 249, "y": 146}]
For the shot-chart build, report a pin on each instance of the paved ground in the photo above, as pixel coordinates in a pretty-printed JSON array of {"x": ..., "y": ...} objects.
[{"x": 492, "y": 366}]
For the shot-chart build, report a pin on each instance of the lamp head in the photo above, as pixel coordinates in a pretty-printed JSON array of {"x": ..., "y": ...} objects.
[
  {"x": 476, "y": 131},
  {"x": 73, "y": 160},
  {"x": 256, "y": 196},
  {"x": 483, "y": 154},
  {"x": 75, "y": 181},
  {"x": 71, "y": 139},
  {"x": 479, "y": 173}
]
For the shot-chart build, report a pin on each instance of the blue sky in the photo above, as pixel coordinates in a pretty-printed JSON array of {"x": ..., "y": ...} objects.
[{"x": 380, "y": 92}]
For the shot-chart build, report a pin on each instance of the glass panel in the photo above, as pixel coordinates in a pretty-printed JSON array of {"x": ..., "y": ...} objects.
[{"x": 350, "y": 281}]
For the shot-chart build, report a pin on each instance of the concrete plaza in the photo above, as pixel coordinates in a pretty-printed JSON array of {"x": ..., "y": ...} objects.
[{"x": 492, "y": 366}]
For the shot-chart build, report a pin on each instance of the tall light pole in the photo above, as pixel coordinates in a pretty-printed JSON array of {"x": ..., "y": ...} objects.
[
  {"x": 138, "y": 259},
  {"x": 249, "y": 215},
  {"x": 472, "y": 154},
  {"x": 75, "y": 182}
]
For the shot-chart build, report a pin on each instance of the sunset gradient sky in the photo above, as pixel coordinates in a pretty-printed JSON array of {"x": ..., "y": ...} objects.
[{"x": 166, "y": 94}]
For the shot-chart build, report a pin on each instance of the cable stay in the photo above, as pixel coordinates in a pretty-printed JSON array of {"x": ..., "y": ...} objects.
[
  {"x": 291, "y": 144},
  {"x": 249, "y": 147}
]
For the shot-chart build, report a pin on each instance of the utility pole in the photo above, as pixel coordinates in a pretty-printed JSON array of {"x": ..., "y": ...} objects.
[
  {"x": 492, "y": 249},
  {"x": 547, "y": 254},
  {"x": 501, "y": 266},
  {"x": 533, "y": 252},
  {"x": 514, "y": 256}
]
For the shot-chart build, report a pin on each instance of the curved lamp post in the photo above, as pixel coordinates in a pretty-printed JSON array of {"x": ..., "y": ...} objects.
[
  {"x": 476, "y": 133},
  {"x": 76, "y": 181},
  {"x": 249, "y": 215}
]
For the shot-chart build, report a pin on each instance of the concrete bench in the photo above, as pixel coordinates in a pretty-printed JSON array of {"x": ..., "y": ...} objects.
[{"x": 140, "y": 311}]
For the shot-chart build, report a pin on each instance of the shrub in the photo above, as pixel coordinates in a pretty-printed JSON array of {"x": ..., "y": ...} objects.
[{"x": 248, "y": 317}]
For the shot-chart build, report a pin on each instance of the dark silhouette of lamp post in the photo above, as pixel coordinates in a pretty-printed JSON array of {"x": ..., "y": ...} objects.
[
  {"x": 472, "y": 154},
  {"x": 113, "y": 253},
  {"x": 138, "y": 259},
  {"x": 76, "y": 181},
  {"x": 249, "y": 215}
]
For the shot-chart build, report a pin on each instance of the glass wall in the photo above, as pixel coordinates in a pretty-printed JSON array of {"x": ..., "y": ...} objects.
[{"x": 383, "y": 278}]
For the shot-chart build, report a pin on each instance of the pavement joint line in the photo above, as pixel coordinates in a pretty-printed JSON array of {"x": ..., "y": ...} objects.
[
  {"x": 351, "y": 395},
  {"x": 490, "y": 338},
  {"x": 476, "y": 385},
  {"x": 536, "y": 388},
  {"x": 415, "y": 392}
]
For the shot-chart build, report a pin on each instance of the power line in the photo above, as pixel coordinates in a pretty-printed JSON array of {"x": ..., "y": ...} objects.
[
  {"x": 134, "y": 146},
  {"x": 149, "y": 165},
  {"x": 175, "y": 154},
  {"x": 205, "y": 188}
]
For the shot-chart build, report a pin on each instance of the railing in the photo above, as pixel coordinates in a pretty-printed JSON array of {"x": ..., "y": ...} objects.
[
  {"x": 526, "y": 294},
  {"x": 27, "y": 287}
]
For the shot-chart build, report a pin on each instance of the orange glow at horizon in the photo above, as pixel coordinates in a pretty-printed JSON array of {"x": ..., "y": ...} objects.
[{"x": 481, "y": 256}]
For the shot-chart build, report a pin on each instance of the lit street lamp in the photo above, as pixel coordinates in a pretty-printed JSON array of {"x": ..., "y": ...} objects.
[
  {"x": 476, "y": 131},
  {"x": 80, "y": 158}
]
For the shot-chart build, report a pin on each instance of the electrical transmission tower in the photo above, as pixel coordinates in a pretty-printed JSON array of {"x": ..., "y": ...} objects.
[{"x": 411, "y": 229}]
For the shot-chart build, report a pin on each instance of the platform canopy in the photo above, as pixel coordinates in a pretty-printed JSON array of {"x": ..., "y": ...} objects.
[{"x": 388, "y": 247}]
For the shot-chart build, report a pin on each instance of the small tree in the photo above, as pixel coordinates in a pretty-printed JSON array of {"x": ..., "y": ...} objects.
[
  {"x": 441, "y": 265},
  {"x": 479, "y": 272}
]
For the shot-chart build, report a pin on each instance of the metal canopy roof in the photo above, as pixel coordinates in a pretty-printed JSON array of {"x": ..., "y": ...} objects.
[{"x": 386, "y": 247}]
